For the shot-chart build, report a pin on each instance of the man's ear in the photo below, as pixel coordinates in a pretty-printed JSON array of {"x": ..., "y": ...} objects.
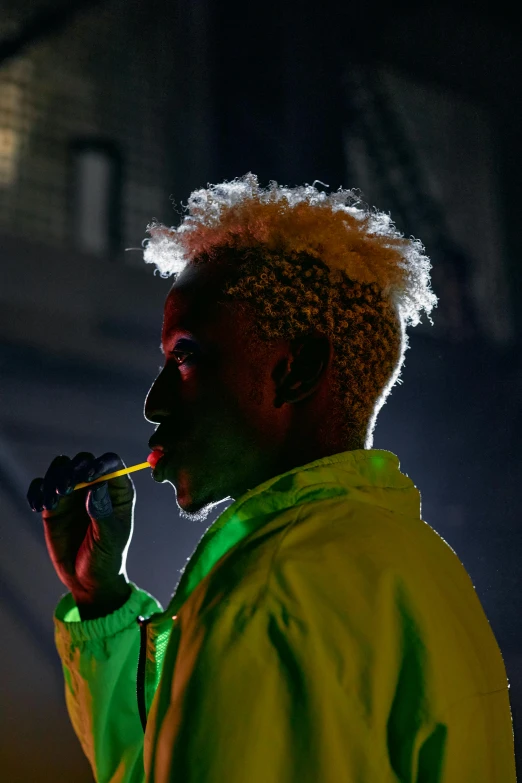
[{"x": 299, "y": 375}]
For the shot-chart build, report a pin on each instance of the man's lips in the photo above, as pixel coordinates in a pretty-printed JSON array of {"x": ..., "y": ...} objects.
[{"x": 155, "y": 456}]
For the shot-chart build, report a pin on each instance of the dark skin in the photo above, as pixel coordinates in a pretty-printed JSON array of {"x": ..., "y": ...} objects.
[{"x": 232, "y": 411}]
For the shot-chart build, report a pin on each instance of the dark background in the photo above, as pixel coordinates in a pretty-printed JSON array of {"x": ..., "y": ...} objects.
[{"x": 111, "y": 113}]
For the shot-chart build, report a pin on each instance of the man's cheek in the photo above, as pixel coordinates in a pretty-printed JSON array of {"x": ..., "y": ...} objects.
[{"x": 255, "y": 395}]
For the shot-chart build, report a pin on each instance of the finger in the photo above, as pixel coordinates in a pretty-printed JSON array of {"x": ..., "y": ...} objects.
[
  {"x": 80, "y": 466},
  {"x": 34, "y": 494},
  {"x": 107, "y": 463},
  {"x": 55, "y": 476}
]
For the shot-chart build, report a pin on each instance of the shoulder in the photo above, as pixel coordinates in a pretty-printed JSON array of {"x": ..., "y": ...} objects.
[{"x": 321, "y": 544}]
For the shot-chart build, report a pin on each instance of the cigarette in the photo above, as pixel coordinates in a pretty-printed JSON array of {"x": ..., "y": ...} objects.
[{"x": 108, "y": 476}]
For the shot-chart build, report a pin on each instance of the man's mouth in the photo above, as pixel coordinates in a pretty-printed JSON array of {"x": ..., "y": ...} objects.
[{"x": 155, "y": 456}]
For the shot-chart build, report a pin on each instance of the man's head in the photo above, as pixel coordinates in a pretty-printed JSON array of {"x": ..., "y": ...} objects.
[{"x": 283, "y": 333}]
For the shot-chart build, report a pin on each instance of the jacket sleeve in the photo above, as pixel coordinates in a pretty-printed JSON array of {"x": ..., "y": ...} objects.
[{"x": 99, "y": 660}]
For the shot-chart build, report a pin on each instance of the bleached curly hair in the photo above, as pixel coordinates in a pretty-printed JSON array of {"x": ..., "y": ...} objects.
[{"x": 305, "y": 260}]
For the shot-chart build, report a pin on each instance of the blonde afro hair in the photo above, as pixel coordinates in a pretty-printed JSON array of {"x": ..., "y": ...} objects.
[{"x": 306, "y": 260}]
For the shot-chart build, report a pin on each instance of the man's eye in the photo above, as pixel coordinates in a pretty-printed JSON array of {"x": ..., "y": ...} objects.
[{"x": 180, "y": 356}]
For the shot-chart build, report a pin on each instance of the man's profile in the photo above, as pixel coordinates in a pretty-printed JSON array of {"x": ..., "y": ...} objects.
[{"x": 321, "y": 631}]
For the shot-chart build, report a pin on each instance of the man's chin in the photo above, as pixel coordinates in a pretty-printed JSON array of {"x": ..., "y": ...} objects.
[
  {"x": 192, "y": 506},
  {"x": 195, "y": 510}
]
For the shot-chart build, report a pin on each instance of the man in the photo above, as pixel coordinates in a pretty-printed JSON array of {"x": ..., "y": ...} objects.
[{"x": 321, "y": 631}]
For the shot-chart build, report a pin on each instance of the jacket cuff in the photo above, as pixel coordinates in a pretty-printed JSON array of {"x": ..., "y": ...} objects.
[{"x": 67, "y": 619}]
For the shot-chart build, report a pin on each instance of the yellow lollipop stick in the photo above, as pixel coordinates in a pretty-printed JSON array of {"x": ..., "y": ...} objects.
[{"x": 122, "y": 472}]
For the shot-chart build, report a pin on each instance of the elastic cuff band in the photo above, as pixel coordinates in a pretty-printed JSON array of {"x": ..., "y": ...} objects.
[{"x": 67, "y": 619}]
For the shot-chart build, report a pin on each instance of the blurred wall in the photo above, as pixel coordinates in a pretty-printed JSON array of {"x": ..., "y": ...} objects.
[{"x": 190, "y": 93}]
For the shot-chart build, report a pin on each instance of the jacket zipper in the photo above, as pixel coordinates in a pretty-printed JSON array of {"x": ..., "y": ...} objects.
[{"x": 140, "y": 683}]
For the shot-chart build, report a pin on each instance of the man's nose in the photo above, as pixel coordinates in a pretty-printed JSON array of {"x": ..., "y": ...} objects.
[{"x": 156, "y": 407}]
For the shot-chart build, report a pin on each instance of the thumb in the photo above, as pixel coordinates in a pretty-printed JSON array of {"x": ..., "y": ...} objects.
[{"x": 99, "y": 504}]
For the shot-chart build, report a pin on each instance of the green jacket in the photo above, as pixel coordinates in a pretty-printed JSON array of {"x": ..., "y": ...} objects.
[{"x": 320, "y": 633}]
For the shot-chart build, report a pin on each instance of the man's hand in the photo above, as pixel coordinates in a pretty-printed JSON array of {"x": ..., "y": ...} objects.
[{"x": 87, "y": 531}]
